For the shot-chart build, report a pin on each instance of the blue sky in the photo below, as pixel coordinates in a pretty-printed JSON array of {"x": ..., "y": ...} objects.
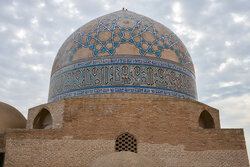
[{"x": 216, "y": 33}]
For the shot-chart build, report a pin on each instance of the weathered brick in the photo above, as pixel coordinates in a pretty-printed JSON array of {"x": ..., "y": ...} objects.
[{"x": 166, "y": 129}]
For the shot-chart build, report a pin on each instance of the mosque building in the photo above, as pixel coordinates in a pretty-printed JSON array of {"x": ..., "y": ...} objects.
[{"x": 122, "y": 93}]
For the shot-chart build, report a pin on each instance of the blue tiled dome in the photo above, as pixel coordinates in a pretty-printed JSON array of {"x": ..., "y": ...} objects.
[{"x": 122, "y": 52}]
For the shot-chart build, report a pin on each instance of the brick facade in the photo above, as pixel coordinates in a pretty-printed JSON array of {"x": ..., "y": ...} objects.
[{"x": 166, "y": 129}]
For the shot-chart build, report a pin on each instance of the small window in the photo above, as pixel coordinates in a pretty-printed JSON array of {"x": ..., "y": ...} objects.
[
  {"x": 1, "y": 159},
  {"x": 43, "y": 120},
  {"x": 206, "y": 121},
  {"x": 126, "y": 142}
]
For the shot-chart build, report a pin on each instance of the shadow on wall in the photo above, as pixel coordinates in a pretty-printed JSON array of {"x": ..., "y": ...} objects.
[
  {"x": 206, "y": 121},
  {"x": 43, "y": 120},
  {"x": 1, "y": 159}
]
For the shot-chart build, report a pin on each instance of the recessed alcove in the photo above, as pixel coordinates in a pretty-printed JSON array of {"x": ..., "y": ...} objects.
[
  {"x": 43, "y": 120},
  {"x": 206, "y": 121}
]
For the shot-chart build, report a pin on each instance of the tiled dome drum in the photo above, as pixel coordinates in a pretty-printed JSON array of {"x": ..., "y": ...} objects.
[{"x": 122, "y": 52}]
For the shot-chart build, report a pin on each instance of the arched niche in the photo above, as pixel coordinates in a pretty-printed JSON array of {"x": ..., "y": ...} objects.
[
  {"x": 43, "y": 120},
  {"x": 206, "y": 121}
]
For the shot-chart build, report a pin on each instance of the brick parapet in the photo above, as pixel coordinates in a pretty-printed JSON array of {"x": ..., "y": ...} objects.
[{"x": 56, "y": 109}]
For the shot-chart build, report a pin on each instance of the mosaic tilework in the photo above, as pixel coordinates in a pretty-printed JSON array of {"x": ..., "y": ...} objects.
[
  {"x": 121, "y": 33},
  {"x": 122, "y": 52},
  {"x": 121, "y": 78},
  {"x": 124, "y": 59}
]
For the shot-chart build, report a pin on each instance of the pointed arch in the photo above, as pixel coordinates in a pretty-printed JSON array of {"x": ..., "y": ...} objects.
[
  {"x": 43, "y": 120},
  {"x": 126, "y": 142},
  {"x": 206, "y": 121}
]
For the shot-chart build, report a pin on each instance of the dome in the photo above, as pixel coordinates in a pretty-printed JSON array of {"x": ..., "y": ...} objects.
[
  {"x": 123, "y": 159},
  {"x": 10, "y": 118},
  {"x": 122, "y": 52}
]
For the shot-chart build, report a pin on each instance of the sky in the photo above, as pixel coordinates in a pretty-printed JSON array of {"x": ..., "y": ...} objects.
[{"x": 215, "y": 32}]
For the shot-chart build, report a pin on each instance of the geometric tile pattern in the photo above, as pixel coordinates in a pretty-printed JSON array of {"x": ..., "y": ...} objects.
[
  {"x": 122, "y": 52},
  {"x": 108, "y": 34},
  {"x": 126, "y": 142}
]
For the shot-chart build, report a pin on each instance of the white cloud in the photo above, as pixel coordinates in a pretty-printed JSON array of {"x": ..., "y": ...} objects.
[
  {"x": 215, "y": 95},
  {"x": 194, "y": 35},
  {"x": 67, "y": 8},
  {"x": 228, "y": 43},
  {"x": 34, "y": 22},
  {"x": 227, "y": 63},
  {"x": 238, "y": 18},
  {"x": 212, "y": 7},
  {"x": 106, "y": 4},
  {"x": 3, "y": 28},
  {"x": 50, "y": 19},
  {"x": 12, "y": 82},
  {"x": 33, "y": 67},
  {"x": 228, "y": 84},
  {"x": 241, "y": 19},
  {"x": 57, "y": 1},
  {"x": 46, "y": 43},
  {"x": 21, "y": 34},
  {"x": 14, "y": 3},
  {"x": 177, "y": 10},
  {"x": 27, "y": 51},
  {"x": 41, "y": 5}
]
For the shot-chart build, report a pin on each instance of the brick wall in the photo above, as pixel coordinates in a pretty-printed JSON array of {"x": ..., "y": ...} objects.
[
  {"x": 56, "y": 109},
  {"x": 166, "y": 130},
  {"x": 72, "y": 152}
]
